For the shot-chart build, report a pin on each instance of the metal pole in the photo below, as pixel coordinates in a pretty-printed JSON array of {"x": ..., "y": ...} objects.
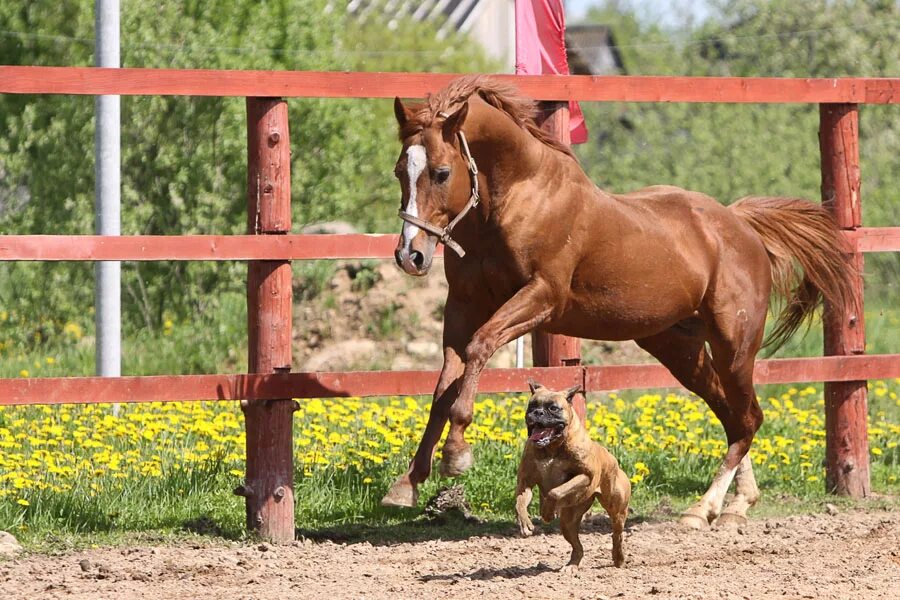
[{"x": 107, "y": 288}]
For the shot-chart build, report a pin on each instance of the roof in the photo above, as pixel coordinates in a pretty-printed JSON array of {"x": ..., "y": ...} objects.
[
  {"x": 592, "y": 50},
  {"x": 454, "y": 14}
]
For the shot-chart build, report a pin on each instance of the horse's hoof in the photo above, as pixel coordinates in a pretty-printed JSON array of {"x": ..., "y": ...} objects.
[
  {"x": 693, "y": 521},
  {"x": 402, "y": 494},
  {"x": 569, "y": 569},
  {"x": 731, "y": 520},
  {"x": 455, "y": 464}
]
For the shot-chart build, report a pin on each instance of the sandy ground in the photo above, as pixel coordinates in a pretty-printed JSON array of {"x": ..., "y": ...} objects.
[{"x": 847, "y": 555}]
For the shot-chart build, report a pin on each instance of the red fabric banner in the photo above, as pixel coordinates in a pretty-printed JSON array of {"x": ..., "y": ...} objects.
[{"x": 541, "y": 49}]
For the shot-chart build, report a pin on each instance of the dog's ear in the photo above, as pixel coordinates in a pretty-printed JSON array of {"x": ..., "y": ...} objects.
[
  {"x": 570, "y": 393},
  {"x": 533, "y": 385}
]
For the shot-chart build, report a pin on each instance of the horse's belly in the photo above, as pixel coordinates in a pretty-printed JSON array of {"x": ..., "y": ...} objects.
[{"x": 616, "y": 325}]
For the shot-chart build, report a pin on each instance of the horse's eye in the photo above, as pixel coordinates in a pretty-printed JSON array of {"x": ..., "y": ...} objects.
[{"x": 441, "y": 174}]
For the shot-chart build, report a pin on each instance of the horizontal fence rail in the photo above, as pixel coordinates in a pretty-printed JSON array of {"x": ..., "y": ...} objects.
[
  {"x": 280, "y": 247},
  {"x": 266, "y": 390},
  {"x": 317, "y": 84},
  {"x": 255, "y": 386}
]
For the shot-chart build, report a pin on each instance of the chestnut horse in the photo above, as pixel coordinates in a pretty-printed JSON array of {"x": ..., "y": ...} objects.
[{"x": 537, "y": 245}]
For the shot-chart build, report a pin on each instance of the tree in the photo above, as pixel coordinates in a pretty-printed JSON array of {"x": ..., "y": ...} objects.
[{"x": 184, "y": 159}]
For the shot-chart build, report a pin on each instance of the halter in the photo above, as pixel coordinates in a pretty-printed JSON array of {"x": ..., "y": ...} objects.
[{"x": 444, "y": 234}]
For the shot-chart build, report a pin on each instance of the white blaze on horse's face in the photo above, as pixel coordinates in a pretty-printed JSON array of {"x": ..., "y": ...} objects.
[{"x": 416, "y": 161}]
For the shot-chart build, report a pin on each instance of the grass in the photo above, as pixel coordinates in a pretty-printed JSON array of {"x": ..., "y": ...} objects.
[{"x": 77, "y": 475}]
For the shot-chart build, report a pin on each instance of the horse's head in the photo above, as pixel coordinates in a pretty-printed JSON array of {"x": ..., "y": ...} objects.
[{"x": 438, "y": 183}]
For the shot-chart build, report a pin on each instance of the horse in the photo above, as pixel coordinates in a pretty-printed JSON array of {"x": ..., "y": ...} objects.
[{"x": 536, "y": 245}]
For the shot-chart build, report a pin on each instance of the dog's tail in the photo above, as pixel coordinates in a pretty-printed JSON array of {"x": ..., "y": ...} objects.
[{"x": 809, "y": 258}]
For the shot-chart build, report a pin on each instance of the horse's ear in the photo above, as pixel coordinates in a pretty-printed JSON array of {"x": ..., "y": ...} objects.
[
  {"x": 533, "y": 385},
  {"x": 454, "y": 122},
  {"x": 570, "y": 393},
  {"x": 402, "y": 113}
]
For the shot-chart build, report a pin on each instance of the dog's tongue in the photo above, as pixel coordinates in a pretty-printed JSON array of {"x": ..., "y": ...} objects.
[{"x": 541, "y": 434}]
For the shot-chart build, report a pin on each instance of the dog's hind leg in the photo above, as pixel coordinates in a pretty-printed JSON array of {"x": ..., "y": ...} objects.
[
  {"x": 569, "y": 524},
  {"x": 615, "y": 502}
]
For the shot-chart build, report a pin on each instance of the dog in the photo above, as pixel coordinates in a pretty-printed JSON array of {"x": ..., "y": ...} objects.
[{"x": 570, "y": 470}]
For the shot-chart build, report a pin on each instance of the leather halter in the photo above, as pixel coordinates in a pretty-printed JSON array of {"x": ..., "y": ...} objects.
[{"x": 444, "y": 234}]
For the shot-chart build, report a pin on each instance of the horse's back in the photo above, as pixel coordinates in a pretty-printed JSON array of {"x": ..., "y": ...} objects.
[
  {"x": 671, "y": 207},
  {"x": 667, "y": 198}
]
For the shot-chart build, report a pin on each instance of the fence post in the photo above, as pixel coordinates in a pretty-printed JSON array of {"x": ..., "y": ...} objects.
[
  {"x": 847, "y": 448},
  {"x": 269, "y": 487},
  {"x": 548, "y": 349}
]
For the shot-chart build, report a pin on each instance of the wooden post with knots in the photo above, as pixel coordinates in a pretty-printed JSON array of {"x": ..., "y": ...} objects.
[
  {"x": 548, "y": 349},
  {"x": 847, "y": 448},
  {"x": 269, "y": 486}
]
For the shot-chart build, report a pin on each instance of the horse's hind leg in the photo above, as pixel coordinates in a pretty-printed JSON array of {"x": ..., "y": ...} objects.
[
  {"x": 682, "y": 349},
  {"x": 746, "y": 495}
]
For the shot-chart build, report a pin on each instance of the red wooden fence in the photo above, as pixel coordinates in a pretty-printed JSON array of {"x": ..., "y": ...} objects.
[{"x": 266, "y": 390}]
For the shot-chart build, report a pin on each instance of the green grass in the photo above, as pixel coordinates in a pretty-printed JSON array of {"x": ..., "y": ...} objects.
[{"x": 187, "y": 459}]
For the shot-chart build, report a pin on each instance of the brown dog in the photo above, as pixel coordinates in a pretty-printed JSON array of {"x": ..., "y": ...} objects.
[{"x": 570, "y": 470}]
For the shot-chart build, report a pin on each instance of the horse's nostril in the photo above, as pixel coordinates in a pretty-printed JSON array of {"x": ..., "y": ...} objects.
[{"x": 417, "y": 258}]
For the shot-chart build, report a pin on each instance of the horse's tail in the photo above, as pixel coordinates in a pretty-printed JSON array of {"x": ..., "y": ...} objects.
[{"x": 809, "y": 258}]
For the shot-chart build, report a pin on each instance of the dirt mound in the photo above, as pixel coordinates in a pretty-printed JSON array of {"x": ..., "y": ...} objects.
[
  {"x": 842, "y": 556},
  {"x": 371, "y": 316}
]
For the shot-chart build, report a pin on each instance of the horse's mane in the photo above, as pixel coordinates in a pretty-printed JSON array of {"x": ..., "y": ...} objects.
[{"x": 498, "y": 94}]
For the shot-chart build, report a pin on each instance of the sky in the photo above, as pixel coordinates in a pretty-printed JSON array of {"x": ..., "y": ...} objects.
[{"x": 665, "y": 11}]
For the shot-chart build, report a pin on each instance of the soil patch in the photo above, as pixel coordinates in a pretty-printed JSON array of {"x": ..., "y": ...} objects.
[{"x": 854, "y": 554}]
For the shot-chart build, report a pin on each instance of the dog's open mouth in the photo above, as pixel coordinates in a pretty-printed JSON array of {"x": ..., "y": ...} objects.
[{"x": 542, "y": 436}]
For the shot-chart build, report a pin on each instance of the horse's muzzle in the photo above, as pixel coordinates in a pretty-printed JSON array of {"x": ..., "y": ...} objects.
[{"x": 413, "y": 262}]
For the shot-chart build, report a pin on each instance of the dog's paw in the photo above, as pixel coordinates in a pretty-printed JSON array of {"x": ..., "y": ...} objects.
[{"x": 526, "y": 527}]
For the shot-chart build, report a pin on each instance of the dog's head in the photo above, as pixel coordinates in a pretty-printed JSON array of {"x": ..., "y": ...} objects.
[{"x": 548, "y": 414}]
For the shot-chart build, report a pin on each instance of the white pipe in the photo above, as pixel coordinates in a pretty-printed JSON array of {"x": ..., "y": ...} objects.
[{"x": 107, "y": 141}]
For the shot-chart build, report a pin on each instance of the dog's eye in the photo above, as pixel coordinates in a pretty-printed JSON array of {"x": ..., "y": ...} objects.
[{"x": 554, "y": 407}]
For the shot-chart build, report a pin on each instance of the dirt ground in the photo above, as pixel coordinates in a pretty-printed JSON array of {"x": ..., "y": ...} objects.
[{"x": 852, "y": 554}]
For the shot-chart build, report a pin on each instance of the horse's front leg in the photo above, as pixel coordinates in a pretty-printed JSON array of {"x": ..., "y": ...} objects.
[
  {"x": 528, "y": 308},
  {"x": 404, "y": 491}
]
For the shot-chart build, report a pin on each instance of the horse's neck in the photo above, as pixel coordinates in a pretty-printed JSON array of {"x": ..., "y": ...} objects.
[{"x": 504, "y": 152}]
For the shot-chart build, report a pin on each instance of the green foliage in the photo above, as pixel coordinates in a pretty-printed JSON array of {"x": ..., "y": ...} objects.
[{"x": 184, "y": 158}]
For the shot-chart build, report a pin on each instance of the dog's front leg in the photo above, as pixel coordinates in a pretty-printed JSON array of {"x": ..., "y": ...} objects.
[
  {"x": 523, "y": 499},
  {"x": 571, "y": 491}
]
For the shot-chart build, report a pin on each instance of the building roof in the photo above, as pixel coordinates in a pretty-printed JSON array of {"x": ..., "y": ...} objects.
[
  {"x": 592, "y": 51},
  {"x": 455, "y": 14}
]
